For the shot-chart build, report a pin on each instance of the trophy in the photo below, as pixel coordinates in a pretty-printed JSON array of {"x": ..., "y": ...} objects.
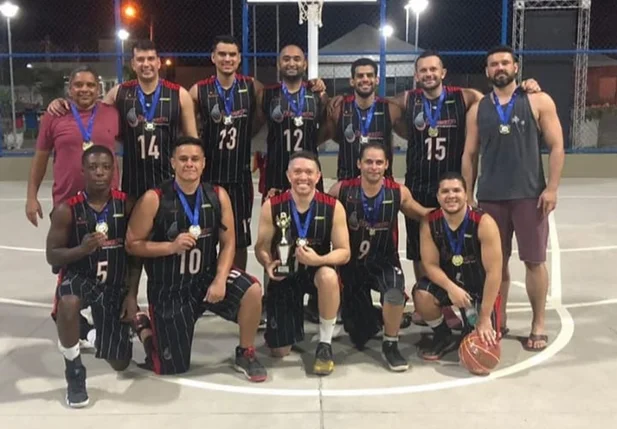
[{"x": 283, "y": 270}]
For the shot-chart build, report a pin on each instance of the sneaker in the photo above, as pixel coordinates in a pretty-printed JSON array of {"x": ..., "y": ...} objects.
[
  {"x": 440, "y": 346},
  {"x": 393, "y": 357},
  {"x": 88, "y": 344},
  {"x": 247, "y": 363},
  {"x": 75, "y": 374},
  {"x": 324, "y": 363},
  {"x": 263, "y": 321}
]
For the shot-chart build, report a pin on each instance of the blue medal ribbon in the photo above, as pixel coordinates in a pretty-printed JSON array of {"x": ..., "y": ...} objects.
[
  {"x": 365, "y": 124},
  {"x": 302, "y": 227},
  {"x": 149, "y": 113},
  {"x": 194, "y": 215},
  {"x": 296, "y": 106},
  {"x": 86, "y": 133},
  {"x": 504, "y": 116},
  {"x": 102, "y": 216},
  {"x": 228, "y": 101},
  {"x": 457, "y": 245},
  {"x": 371, "y": 214},
  {"x": 428, "y": 111}
]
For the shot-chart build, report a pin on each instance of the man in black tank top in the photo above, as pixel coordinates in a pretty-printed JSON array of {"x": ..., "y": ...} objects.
[
  {"x": 461, "y": 250},
  {"x": 86, "y": 239},
  {"x": 153, "y": 112},
  {"x": 372, "y": 204},
  {"x": 507, "y": 127},
  {"x": 353, "y": 121},
  {"x": 293, "y": 109},
  {"x": 312, "y": 227},
  {"x": 176, "y": 228}
]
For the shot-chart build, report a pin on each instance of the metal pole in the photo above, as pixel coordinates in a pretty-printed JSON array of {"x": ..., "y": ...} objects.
[
  {"x": 416, "y": 42},
  {"x": 278, "y": 39},
  {"x": 504, "y": 22},
  {"x": 231, "y": 17},
  {"x": 8, "y": 26},
  {"x": 118, "y": 22},
  {"x": 254, "y": 41},
  {"x": 152, "y": 28},
  {"x": 382, "y": 51},
  {"x": 406, "y": 25},
  {"x": 313, "y": 43},
  {"x": 245, "y": 37}
]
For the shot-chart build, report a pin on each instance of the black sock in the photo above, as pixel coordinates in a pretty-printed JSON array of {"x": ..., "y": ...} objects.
[{"x": 440, "y": 327}]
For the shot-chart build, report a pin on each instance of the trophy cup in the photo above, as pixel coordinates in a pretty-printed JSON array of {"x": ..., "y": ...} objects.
[{"x": 283, "y": 270}]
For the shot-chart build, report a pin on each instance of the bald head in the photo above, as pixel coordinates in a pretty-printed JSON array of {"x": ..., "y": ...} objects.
[{"x": 292, "y": 63}]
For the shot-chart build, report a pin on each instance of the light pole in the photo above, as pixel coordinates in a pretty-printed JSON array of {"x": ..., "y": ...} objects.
[
  {"x": 417, "y": 7},
  {"x": 123, "y": 35},
  {"x": 9, "y": 10},
  {"x": 131, "y": 12}
]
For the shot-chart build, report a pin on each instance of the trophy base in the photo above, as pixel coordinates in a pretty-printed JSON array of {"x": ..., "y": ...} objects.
[{"x": 283, "y": 271}]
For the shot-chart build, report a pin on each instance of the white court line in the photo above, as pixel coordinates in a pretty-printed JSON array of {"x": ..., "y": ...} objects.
[{"x": 555, "y": 260}]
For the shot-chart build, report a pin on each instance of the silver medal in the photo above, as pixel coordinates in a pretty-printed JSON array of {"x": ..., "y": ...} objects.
[
  {"x": 228, "y": 120},
  {"x": 149, "y": 126},
  {"x": 504, "y": 129},
  {"x": 301, "y": 242},
  {"x": 364, "y": 139},
  {"x": 101, "y": 227},
  {"x": 298, "y": 121},
  {"x": 195, "y": 231}
]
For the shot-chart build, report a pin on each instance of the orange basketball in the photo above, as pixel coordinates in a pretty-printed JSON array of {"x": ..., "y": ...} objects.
[{"x": 477, "y": 357}]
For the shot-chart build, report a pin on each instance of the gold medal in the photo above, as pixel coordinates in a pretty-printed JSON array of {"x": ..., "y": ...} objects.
[
  {"x": 457, "y": 260},
  {"x": 102, "y": 227},
  {"x": 371, "y": 231},
  {"x": 433, "y": 132},
  {"x": 195, "y": 231},
  {"x": 228, "y": 120},
  {"x": 87, "y": 145}
]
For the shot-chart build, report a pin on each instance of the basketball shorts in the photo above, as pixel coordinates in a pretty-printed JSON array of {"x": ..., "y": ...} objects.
[
  {"x": 285, "y": 307},
  {"x": 413, "y": 226},
  {"x": 443, "y": 299},
  {"x": 113, "y": 338},
  {"x": 173, "y": 318},
  {"x": 241, "y": 197},
  {"x": 360, "y": 317}
]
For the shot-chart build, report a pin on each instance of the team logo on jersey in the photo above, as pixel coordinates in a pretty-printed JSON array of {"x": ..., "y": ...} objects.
[
  {"x": 215, "y": 114},
  {"x": 353, "y": 222},
  {"x": 131, "y": 118},
  {"x": 420, "y": 122},
  {"x": 172, "y": 231},
  {"x": 350, "y": 134},
  {"x": 277, "y": 114}
]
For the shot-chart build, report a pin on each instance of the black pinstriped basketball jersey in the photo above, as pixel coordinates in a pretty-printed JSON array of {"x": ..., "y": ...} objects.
[
  {"x": 384, "y": 244},
  {"x": 430, "y": 157},
  {"x": 320, "y": 228},
  {"x": 169, "y": 276},
  {"x": 471, "y": 274},
  {"x": 227, "y": 147},
  {"x": 284, "y": 137},
  {"x": 147, "y": 154},
  {"x": 107, "y": 264},
  {"x": 348, "y": 135}
]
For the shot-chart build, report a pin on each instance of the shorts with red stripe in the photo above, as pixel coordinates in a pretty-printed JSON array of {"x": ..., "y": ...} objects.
[
  {"x": 113, "y": 338},
  {"x": 175, "y": 310},
  {"x": 241, "y": 198}
]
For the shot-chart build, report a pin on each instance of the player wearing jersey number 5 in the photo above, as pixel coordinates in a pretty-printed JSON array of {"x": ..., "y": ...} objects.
[{"x": 177, "y": 228}]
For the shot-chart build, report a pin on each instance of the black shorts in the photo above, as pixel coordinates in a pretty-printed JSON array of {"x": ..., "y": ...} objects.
[
  {"x": 285, "y": 307},
  {"x": 173, "y": 320},
  {"x": 360, "y": 319},
  {"x": 113, "y": 338},
  {"x": 413, "y": 226},
  {"x": 241, "y": 197},
  {"x": 442, "y": 297}
]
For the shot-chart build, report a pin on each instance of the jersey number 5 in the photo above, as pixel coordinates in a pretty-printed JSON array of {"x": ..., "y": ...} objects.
[
  {"x": 298, "y": 135},
  {"x": 436, "y": 148},
  {"x": 194, "y": 261},
  {"x": 228, "y": 138},
  {"x": 101, "y": 271},
  {"x": 153, "y": 147}
]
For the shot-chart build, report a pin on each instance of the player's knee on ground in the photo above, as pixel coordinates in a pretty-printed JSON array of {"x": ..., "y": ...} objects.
[
  {"x": 119, "y": 365},
  {"x": 281, "y": 351},
  {"x": 326, "y": 279},
  {"x": 69, "y": 306},
  {"x": 394, "y": 297}
]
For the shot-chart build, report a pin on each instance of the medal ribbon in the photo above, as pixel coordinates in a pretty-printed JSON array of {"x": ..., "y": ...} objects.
[
  {"x": 194, "y": 216},
  {"x": 457, "y": 245},
  {"x": 302, "y": 227},
  {"x": 86, "y": 134},
  {"x": 371, "y": 214},
  {"x": 149, "y": 113},
  {"x": 296, "y": 106},
  {"x": 100, "y": 217},
  {"x": 428, "y": 111},
  {"x": 365, "y": 125},
  {"x": 504, "y": 116},
  {"x": 228, "y": 101}
]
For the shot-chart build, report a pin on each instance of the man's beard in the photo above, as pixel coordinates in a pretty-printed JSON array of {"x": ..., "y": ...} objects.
[{"x": 499, "y": 82}]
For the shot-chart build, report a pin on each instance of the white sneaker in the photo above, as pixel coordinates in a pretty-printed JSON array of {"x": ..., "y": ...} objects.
[{"x": 88, "y": 344}]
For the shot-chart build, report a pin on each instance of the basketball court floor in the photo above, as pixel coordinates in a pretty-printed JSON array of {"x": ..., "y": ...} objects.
[{"x": 571, "y": 384}]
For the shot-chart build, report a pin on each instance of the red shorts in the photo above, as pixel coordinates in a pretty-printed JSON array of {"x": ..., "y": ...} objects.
[{"x": 526, "y": 220}]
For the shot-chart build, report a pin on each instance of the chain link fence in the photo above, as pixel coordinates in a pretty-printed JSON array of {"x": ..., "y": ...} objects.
[{"x": 50, "y": 38}]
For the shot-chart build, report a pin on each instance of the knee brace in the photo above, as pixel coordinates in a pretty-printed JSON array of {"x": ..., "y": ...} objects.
[
  {"x": 140, "y": 322},
  {"x": 394, "y": 297}
]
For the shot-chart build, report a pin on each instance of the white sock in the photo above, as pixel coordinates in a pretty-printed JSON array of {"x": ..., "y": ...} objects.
[
  {"x": 435, "y": 323},
  {"x": 326, "y": 329},
  {"x": 391, "y": 339},
  {"x": 70, "y": 353}
]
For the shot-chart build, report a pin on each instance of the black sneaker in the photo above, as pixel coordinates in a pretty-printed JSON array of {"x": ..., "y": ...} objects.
[
  {"x": 247, "y": 363},
  {"x": 76, "y": 394},
  {"x": 440, "y": 346},
  {"x": 393, "y": 357},
  {"x": 324, "y": 362}
]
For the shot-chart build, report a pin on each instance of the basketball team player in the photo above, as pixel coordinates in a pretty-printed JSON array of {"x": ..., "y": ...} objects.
[
  {"x": 461, "y": 252},
  {"x": 176, "y": 229},
  {"x": 372, "y": 204},
  {"x": 435, "y": 115},
  {"x": 230, "y": 109},
  {"x": 507, "y": 127},
  {"x": 86, "y": 238},
  {"x": 302, "y": 238}
]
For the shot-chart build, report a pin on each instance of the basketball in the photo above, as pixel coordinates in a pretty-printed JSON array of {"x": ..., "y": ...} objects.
[{"x": 477, "y": 357}]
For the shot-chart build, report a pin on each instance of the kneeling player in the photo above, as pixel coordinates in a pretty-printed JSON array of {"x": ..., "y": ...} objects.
[
  {"x": 461, "y": 252},
  {"x": 86, "y": 238},
  {"x": 312, "y": 227},
  {"x": 372, "y": 204},
  {"x": 176, "y": 228}
]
